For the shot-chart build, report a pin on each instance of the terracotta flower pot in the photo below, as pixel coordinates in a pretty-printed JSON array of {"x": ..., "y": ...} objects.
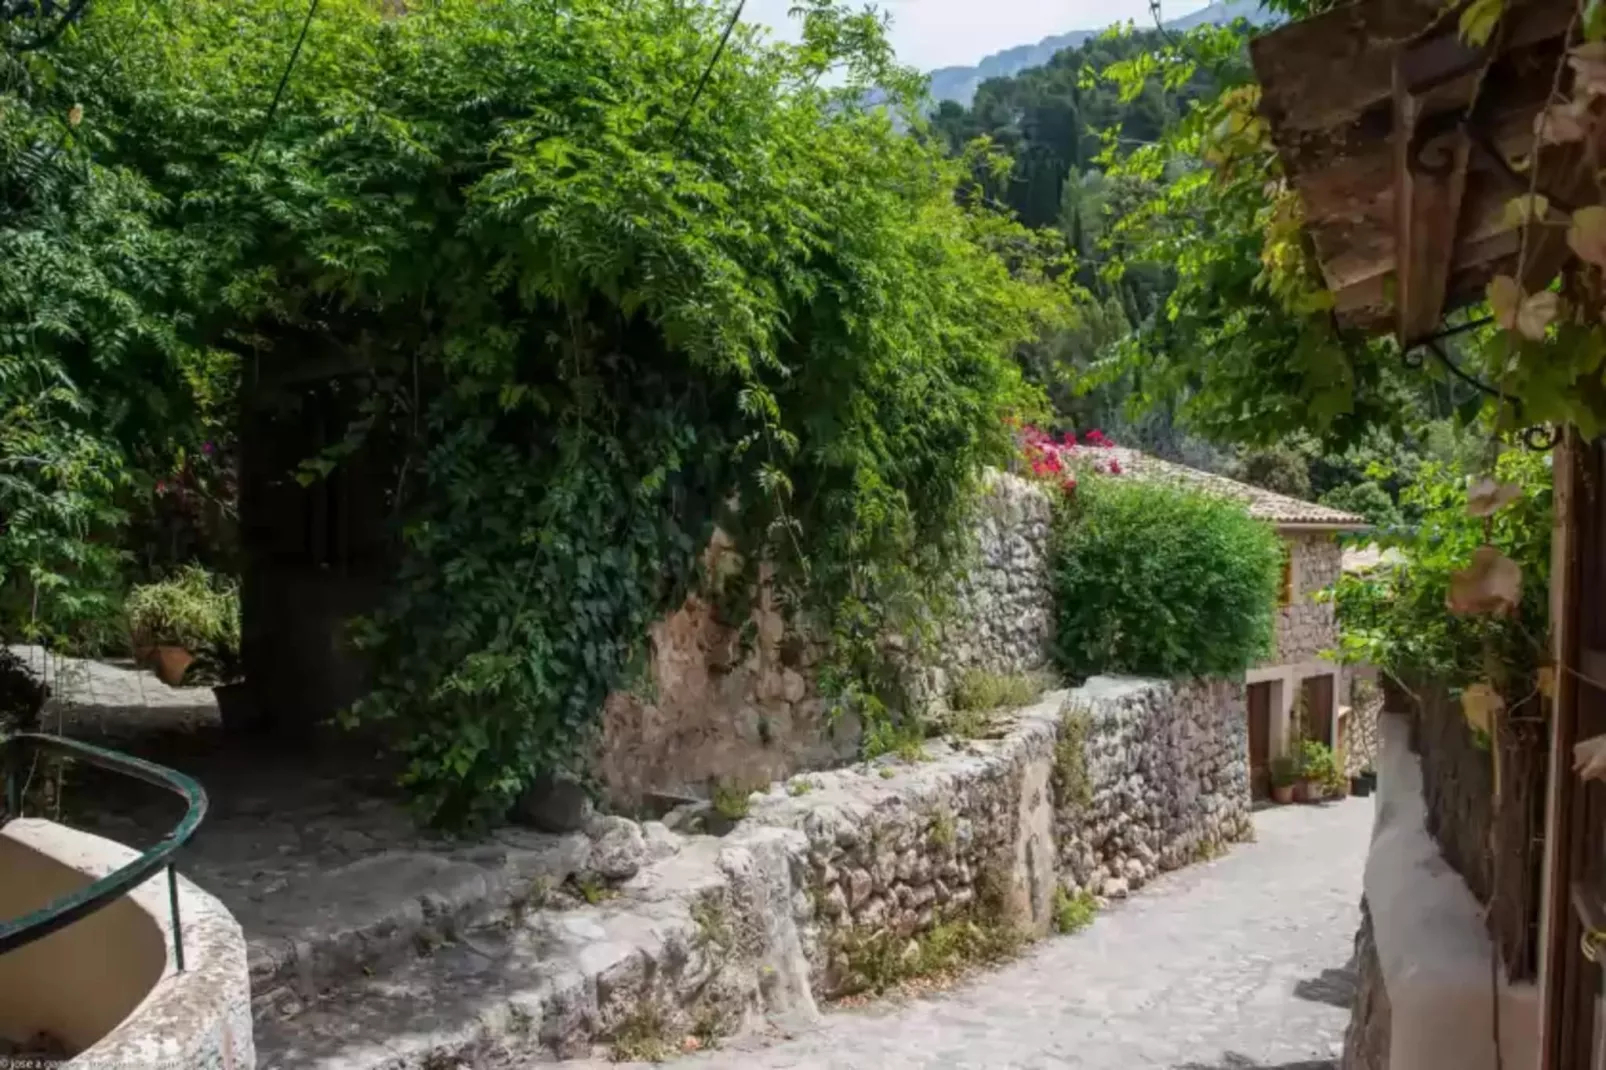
[
  {"x": 1282, "y": 794},
  {"x": 171, "y": 664},
  {"x": 1304, "y": 791}
]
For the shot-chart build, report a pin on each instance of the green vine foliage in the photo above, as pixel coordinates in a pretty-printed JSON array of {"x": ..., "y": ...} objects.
[
  {"x": 1154, "y": 579},
  {"x": 593, "y": 314},
  {"x": 1394, "y": 616},
  {"x": 96, "y": 384},
  {"x": 1245, "y": 344}
]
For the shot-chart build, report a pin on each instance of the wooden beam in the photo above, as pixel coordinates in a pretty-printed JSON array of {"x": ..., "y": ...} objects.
[{"x": 1431, "y": 152}]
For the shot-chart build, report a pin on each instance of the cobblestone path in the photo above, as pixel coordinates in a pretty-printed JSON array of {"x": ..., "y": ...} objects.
[{"x": 1235, "y": 964}]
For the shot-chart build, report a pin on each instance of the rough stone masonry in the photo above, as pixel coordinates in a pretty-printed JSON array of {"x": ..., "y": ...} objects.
[{"x": 1097, "y": 789}]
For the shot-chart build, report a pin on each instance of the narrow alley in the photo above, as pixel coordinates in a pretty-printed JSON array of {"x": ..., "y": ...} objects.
[{"x": 1237, "y": 964}]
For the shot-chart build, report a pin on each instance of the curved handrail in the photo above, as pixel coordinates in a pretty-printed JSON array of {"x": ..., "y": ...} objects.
[{"x": 66, "y": 909}]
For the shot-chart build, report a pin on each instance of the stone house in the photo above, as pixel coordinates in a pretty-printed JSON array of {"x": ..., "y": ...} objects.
[{"x": 1298, "y": 691}]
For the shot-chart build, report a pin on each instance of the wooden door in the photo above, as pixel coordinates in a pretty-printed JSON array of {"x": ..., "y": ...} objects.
[
  {"x": 1575, "y": 1022},
  {"x": 1319, "y": 695},
  {"x": 1259, "y": 740}
]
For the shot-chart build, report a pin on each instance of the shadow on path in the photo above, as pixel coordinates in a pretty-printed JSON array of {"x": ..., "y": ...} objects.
[{"x": 1336, "y": 988}]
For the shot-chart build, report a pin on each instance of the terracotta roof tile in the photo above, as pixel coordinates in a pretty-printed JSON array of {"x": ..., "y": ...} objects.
[{"x": 1277, "y": 509}]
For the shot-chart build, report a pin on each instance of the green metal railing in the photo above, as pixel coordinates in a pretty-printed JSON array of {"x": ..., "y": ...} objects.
[{"x": 63, "y": 911}]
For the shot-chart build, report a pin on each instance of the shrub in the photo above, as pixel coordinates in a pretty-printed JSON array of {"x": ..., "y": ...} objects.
[
  {"x": 1284, "y": 771},
  {"x": 1318, "y": 765},
  {"x": 1154, "y": 579},
  {"x": 1369, "y": 499}
]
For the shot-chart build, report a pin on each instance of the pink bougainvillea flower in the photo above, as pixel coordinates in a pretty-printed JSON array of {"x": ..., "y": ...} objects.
[
  {"x": 161, "y": 487},
  {"x": 207, "y": 448},
  {"x": 1069, "y": 439},
  {"x": 1115, "y": 466}
]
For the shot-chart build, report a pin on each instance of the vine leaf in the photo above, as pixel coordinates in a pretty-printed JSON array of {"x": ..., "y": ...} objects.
[
  {"x": 1528, "y": 208},
  {"x": 1588, "y": 62},
  {"x": 1480, "y": 704},
  {"x": 1479, "y": 20},
  {"x": 1487, "y": 496},
  {"x": 1527, "y": 315},
  {"x": 1491, "y": 583},
  {"x": 1563, "y": 122},
  {"x": 1589, "y": 758},
  {"x": 1587, "y": 235}
]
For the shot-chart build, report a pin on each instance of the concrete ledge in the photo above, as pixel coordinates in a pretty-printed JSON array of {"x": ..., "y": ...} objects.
[
  {"x": 200, "y": 1018},
  {"x": 1432, "y": 949}
]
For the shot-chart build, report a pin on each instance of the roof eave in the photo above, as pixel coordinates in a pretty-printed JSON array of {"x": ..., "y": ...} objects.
[{"x": 1320, "y": 525}]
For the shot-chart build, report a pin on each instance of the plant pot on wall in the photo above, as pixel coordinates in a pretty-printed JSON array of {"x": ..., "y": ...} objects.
[{"x": 171, "y": 663}]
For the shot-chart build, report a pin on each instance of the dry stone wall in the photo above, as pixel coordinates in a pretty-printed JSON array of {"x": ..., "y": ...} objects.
[
  {"x": 1168, "y": 781},
  {"x": 992, "y": 828},
  {"x": 1307, "y": 628},
  {"x": 1003, "y": 618},
  {"x": 718, "y": 711}
]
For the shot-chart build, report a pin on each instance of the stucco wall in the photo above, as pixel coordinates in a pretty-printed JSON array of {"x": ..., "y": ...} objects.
[
  {"x": 1423, "y": 1000},
  {"x": 1307, "y": 628},
  {"x": 716, "y": 711}
]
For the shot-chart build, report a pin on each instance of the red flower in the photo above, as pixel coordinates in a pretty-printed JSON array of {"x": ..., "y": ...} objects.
[{"x": 1115, "y": 466}]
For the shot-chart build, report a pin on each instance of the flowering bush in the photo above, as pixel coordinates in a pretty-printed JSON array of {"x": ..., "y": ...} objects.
[
  {"x": 1155, "y": 579},
  {"x": 1058, "y": 460}
]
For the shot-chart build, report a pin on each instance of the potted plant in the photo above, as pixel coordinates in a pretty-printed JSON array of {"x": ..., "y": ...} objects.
[
  {"x": 1319, "y": 771},
  {"x": 188, "y": 614},
  {"x": 1284, "y": 773},
  {"x": 1364, "y": 783}
]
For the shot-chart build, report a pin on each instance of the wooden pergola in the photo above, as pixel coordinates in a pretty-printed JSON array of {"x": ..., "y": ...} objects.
[{"x": 1406, "y": 145}]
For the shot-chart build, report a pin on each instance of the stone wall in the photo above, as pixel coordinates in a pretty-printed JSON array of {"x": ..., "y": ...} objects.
[
  {"x": 1366, "y": 1041},
  {"x": 1168, "y": 781},
  {"x": 1003, "y": 618},
  {"x": 1098, "y": 789},
  {"x": 718, "y": 712},
  {"x": 1306, "y": 628}
]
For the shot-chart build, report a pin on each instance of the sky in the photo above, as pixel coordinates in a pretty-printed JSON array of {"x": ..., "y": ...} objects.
[{"x": 958, "y": 33}]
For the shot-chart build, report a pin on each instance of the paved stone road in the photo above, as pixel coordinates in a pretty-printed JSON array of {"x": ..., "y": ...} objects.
[{"x": 1236, "y": 964}]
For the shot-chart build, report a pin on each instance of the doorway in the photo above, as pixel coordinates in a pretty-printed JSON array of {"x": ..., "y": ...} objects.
[
  {"x": 1260, "y": 699},
  {"x": 1319, "y": 693}
]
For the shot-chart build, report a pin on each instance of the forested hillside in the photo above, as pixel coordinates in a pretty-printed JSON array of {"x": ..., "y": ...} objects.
[{"x": 1133, "y": 147}]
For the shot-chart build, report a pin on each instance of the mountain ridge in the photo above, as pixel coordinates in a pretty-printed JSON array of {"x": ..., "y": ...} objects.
[{"x": 960, "y": 83}]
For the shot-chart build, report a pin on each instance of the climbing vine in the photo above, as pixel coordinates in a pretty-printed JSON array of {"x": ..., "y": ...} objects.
[{"x": 595, "y": 294}]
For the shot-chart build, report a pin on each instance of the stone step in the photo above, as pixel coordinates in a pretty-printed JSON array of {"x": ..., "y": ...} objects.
[
  {"x": 701, "y": 943},
  {"x": 371, "y": 914}
]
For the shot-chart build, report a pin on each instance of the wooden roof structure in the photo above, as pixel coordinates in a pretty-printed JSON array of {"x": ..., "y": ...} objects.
[{"x": 1405, "y": 145}]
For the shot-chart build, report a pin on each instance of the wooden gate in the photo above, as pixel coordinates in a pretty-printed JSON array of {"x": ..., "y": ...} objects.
[{"x": 1259, "y": 739}]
